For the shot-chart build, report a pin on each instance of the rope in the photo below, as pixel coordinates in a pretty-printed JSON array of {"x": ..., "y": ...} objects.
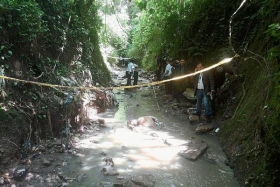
[
  {"x": 226, "y": 60},
  {"x": 230, "y": 27}
]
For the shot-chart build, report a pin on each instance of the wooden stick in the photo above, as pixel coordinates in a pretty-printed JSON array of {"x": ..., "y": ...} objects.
[{"x": 50, "y": 122}]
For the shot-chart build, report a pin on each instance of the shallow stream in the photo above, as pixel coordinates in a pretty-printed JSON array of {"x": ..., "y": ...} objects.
[{"x": 135, "y": 153}]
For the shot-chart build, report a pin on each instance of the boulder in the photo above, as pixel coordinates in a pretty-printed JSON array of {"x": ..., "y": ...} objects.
[{"x": 193, "y": 149}]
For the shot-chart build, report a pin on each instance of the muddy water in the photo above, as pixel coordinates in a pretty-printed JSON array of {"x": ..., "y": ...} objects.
[{"x": 136, "y": 153}]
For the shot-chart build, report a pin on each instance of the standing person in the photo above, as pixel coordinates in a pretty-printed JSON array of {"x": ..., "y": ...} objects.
[
  {"x": 129, "y": 71},
  {"x": 184, "y": 81},
  {"x": 219, "y": 75},
  {"x": 176, "y": 83},
  {"x": 183, "y": 66},
  {"x": 158, "y": 68},
  {"x": 204, "y": 85},
  {"x": 135, "y": 74},
  {"x": 166, "y": 75}
]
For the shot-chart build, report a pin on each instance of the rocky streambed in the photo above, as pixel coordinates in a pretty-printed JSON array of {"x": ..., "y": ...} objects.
[{"x": 148, "y": 140}]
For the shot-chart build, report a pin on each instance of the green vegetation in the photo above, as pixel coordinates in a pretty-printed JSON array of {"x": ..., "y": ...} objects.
[
  {"x": 42, "y": 34},
  {"x": 44, "y": 41},
  {"x": 62, "y": 37}
]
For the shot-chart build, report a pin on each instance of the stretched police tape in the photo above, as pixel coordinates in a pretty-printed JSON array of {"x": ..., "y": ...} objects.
[{"x": 226, "y": 60}]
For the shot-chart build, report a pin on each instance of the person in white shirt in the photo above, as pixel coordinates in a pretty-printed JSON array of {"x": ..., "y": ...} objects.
[
  {"x": 166, "y": 75},
  {"x": 204, "y": 86},
  {"x": 168, "y": 70}
]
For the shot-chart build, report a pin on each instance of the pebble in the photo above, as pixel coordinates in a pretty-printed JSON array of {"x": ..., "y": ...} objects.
[{"x": 1, "y": 180}]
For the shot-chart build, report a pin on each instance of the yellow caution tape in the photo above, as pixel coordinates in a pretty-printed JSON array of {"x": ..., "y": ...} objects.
[{"x": 226, "y": 60}]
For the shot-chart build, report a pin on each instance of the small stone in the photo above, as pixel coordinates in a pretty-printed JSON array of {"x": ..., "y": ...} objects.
[
  {"x": 109, "y": 172},
  {"x": 101, "y": 121},
  {"x": 203, "y": 129},
  {"x": 48, "y": 180},
  {"x": 46, "y": 162},
  {"x": 7, "y": 180},
  {"x": 144, "y": 180},
  {"x": 193, "y": 118},
  {"x": 65, "y": 184},
  {"x": 1, "y": 180},
  {"x": 19, "y": 173},
  {"x": 227, "y": 162}
]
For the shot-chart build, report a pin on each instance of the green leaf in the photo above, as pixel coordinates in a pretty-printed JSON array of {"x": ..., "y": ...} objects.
[{"x": 10, "y": 52}]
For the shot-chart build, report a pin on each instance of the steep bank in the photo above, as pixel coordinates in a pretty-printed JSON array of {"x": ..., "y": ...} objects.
[
  {"x": 54, "y": 43},
  {"x": 251, "y": 137}
]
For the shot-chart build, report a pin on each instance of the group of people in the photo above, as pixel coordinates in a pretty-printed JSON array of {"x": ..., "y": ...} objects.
[
  {"x": 205, "y": 84},
  {"x": 175, "y": 69}
]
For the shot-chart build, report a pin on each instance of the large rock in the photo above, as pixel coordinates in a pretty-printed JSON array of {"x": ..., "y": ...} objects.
[{"x": 193, "y": 149}]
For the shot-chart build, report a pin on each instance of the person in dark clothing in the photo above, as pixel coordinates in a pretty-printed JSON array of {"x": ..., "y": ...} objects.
[
  {"x": 219, "y": 75},
  {"x": 183, "y": 81},
  {"x": 176, "y": 84},
  {"x": 135, "y": 74},
  {"x": 203, "y": 86},
  {"x": 159, "y": 67}
]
